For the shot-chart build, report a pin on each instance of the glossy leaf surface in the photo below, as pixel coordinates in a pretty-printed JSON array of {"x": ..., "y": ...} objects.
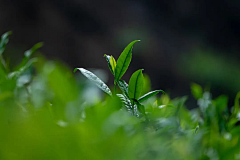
[
  {"x": 92, "y": 77},
  {"x": 123, "y": 86},
  {"x": 124, "y": 61},
  {"x": 149, "y": 94}
]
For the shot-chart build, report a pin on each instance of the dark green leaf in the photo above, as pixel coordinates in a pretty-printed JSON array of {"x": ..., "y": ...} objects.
[
  {"x": 92, "y": 77},
  {"x": 236, "y": 105},
  {"x": 140, "y": 107},
  {"x": 149, "y": 94},
  {"x": 135, "y": 85},
  {"x": 196, "y": 129},
  {"x": 123, "y": 86},
  {"x": 124, "y": 61}
]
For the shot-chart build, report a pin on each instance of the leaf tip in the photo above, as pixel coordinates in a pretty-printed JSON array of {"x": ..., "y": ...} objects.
[{"x": 75, "y": 70}]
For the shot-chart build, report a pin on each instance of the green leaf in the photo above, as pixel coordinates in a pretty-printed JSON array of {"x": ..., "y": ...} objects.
[
  {"x": 4, "y": 41},
  {"x": 113, "y": 63},
  {"x": 124, "y": 61},
  {"x": 108, "y": 58},
  {"x": 123, "y": 86},
  {"x": 221, "y": 103},
  {"x": 126, "y": 102},
  {"x": 196, "y": 91},
  {"x": 29, "y": 53},
  {"x": 147, "y": 84},
  {"x": 140, "y": 107},
  {"x": 135, "y": 84},
  {"x": 236, "y": 105},
  {"x": 149, "y": 94},
  {"x": 92, "y": 77},
  {"x": 18, "y": 73}
]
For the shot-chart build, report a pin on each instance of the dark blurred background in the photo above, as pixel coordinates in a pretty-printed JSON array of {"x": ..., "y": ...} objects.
[{"x": 182, "y": 41}]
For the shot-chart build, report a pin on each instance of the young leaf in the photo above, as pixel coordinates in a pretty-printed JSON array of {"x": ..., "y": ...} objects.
[
  {"x": 149, "y": 94},
  {"x": 196, "y": 91},
  {"x": 108, "y": 58},
  {"x": 123, "y": 86},
  {"x": 124, "y": 61},
  {"x": 28, "y": 54},
  {"x": 92, "y": 77},
  {"x": 113, "y": 64},
  {"x": 135, "y": 85},
  {"x": 4, "y": 41},
  {"x": 19, "y": 72}
]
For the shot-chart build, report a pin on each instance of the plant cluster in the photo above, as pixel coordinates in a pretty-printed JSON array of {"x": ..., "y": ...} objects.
[
  {"x": 47, "y": 113},
  {"x": 130, "y": 94}
]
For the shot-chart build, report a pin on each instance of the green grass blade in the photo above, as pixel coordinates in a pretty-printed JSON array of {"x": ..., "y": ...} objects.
[
  {"x": 92, "y": 77},
  {"x": 135, "y": 84},
  {"x": 149, "y": 94},
  {"x": 124, "y": 61}
]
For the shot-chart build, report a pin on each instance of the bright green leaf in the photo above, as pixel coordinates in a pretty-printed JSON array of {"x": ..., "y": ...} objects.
[
  {"x": 92, "y": 77},
  {"x": 196, "y": 91},
  {"x": 149, "y": 94},
  {"x": 124, "y": 61},
  {"x": 113, "y": 63},
  {"x": 135, "y": 85}
]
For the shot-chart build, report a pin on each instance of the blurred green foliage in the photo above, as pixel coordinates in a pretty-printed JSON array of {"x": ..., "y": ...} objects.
[{"x": 47, "y": 113}]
